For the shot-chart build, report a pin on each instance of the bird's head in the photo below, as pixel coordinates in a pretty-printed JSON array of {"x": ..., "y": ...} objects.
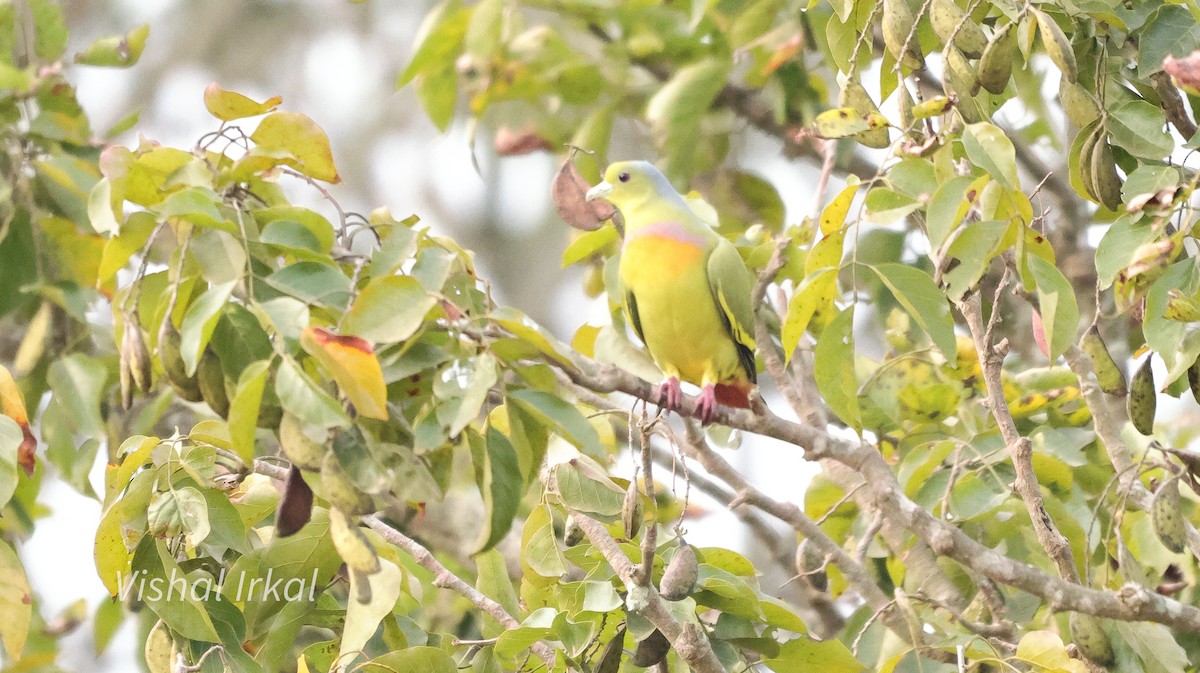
[{"x": 627, "y": 183}]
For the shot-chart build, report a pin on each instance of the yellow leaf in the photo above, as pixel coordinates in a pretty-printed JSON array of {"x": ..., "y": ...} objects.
[
  {"x": 352, "y": 363},
  {"x": 12, "y": 404},
  {"x": 304, "y": 143},
  {"x": 833, "y": 218},
  {"x": 230, "y": 105}
]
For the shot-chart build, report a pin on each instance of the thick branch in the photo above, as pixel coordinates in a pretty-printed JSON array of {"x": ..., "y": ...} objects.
[
  {"x": 442, "y": 577},
  {"x": 688, "y": 640},
  {"x": 1019, "y": 448},
  {"x": 1129, "y": 604}
]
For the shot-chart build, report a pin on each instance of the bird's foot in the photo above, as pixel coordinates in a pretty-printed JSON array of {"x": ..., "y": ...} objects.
[
  {"x": 669, "y": 394},
  {"x": 706, "y": 404}
]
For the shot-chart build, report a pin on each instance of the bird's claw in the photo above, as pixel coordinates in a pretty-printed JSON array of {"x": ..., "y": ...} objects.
[
  {"x": 669, "y": 394},
  {"x": 706, "y": 404}
]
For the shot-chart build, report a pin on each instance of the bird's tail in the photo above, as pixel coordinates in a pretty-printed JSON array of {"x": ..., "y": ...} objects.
[{"x": 733, "y": 394}]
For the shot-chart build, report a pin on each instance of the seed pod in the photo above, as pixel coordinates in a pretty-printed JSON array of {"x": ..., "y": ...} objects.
[
  {"x": 301, "y": 445},
  {"x": 898, "y": 23},
  {"x": 1091, "y": 639},
  {"x": 1057, "y": 46},
  {"x": 172, "y": 362},
  {"x": 211, "y": 378},
  {"x": 341, "y": 493},
  {"x": 352, "y": 545},
  {"x": 572, "y": 533},
  {"x": 679, "y": 579},
  {"x": 960, "y": 78},
  {"x": 1087, "y": 150},
  {"x": 610, "y": 658},
  {"x": 631, "y": 510},
  {"x": 1164, "y": 514},
  {"x": 295, "y": 505},
  {"x": 651, "y": 650},
  {"x": 908, "y": 120},
  {"x": 139, "y": 358},
  {"x": 945, "y": 17},
  {"x": 126, "y": 377},
  {"x": 1143, "y": 399},
  {"x": 1105, "y": 180},
  {"x": 1078, "y": 103},
  {"x": 995, "y": 66},
  {"x": 809, "y": 566},
  {"x": 855, "y": 96},
  {"x": 1108, "y": 373}
]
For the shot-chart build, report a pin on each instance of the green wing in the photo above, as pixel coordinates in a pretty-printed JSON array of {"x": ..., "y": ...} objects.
[{"x": 731, "y": 285}]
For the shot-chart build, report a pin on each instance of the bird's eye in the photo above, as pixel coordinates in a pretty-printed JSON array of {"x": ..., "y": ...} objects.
[{"x": 623, "y": 177}]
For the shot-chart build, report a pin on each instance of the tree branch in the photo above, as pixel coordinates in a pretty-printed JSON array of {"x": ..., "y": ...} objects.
[
  {"x": 442, "y": 577},
  {"x": 1130, "y": 603},
  {"x": 991, "y": 359}
]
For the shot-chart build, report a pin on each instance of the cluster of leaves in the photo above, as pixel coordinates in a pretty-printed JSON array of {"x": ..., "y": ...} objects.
[{"x": 959, "y": 198}]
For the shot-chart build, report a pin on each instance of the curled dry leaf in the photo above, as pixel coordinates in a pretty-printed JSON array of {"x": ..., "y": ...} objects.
[
  {"x": 569, "y": 192},
  {"x": 295, "y": 506},
  {"x": 1185, "y": 71},
  {"x": 510, "y": 143}
]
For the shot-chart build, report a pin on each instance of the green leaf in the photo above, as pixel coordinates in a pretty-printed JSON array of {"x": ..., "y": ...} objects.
[
  {"x": 1056, "y": 298},
  {"x": 514, "y": 642},
  {"x": 539, "y": 544},
  {"x": 805, "y": 655},
  {"x": 389, "y": 309},
  {"x": 49, "y": 30},
  {"x": 1137, "y": 127},
  {"x": 301, "y": 138},
  {"x": 502, "y": 487},
  {"x": 590, "y": 243},
  {"x": 362, "y": 619},
  {"x": 200, "y": 321},
  {"x": 313, "y": 283},
  {"x": 570, "y": 423},
  {"x": 438, "y": 40},
  {"x": 927, "y": 304},
  {"x": 423, "y": 659},
  {"x": 947, "y": 208},
  {"x": 120, "y": 51},
  {"x": 1148, "y": 180},
  {"x": 834, "y": 368},
  {"x": 990, "y": 149},
  {"x": 112, "y": 555},
  {"x": 973, "y": 249},
  {"x": 193, "y": 512},
  {"x": 885, "y": 206},
  {"x": 1170, "y": 30},
  {"x": 492, "y": 581},
  {"x": 244, "y": 408},
  {"x": 676, "y": 109},
  {"x": 300, "y": 396},
  {"x": 1044, "y": 649},
  {"x": 78, "y": 383},
  {"x": 1114, "y": 252},
  {"x": 179, "y": 609},
  {"x": 1154, "y": 644},
  {"x": 16, "y": 602},
  {"x": 593, "y": 494}
]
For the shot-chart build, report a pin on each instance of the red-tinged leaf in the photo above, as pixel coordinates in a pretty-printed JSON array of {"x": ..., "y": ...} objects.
[
  {"x": 568, "y": 193},
  {"x": 352, "y": 363},
  {"x": 304, "y": 142},
  {"x": 511, "y": 143},
  {"x": 1039, "y": 333},
  {"x": 230, "y": 105},
  {"x": 295, "y": 506},
  {"x": 1185, "y": 71}
]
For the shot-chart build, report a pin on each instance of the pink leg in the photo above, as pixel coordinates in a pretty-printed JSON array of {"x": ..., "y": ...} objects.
[
  {"x": 706, "y": 404},
  {"x": 669, "y": 394}
]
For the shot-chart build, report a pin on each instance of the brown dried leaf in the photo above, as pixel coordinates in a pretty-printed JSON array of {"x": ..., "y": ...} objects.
[
  {"x": 295, "y": 507},
  {"x": 510, "y": 143},
  {"x": 569, "y": 192}
]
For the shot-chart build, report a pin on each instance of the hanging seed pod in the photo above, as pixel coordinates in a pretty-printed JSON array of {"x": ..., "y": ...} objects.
[
  {"x": 1057, "y": 46},
  {"x": 1143, "y": 399},
  {"x": 651, "y": 650},
  {"x": 211, "y": 378},
  {"x": 809, "y": 565},
  {"x": 1164, "y": 514},
  {"x": 898, "y": 23},
  {"x": 960, "y": 77},
  {"x": 631, "y": 510},
  {"x": 572, "y": 533},
  {"x": 995, "y": 66},
  {"x": 140, "y": 366},
  {"x": 1091, "y": 639},
  {"x": 172, "y": 362},
  {"x": 679, "y": 579},
  {"x": 295, "y": 505},
  {"x": 950, "y": 24},
  {"x": 610, "y": 658},
  {"x": 1078, "y": 103},
  {"x": 1108, "y": 373},
  {"x": 1105, "y": 180}
]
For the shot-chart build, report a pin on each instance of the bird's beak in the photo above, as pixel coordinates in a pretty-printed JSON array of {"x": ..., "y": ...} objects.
[{"x": 598, "y": 192}]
